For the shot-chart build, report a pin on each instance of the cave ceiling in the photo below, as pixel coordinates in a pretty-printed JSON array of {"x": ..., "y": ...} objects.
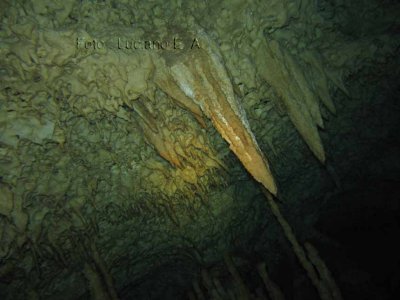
[{"x": 139, "y": 139}]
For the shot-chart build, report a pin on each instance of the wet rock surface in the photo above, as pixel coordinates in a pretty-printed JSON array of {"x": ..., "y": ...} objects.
[{"x": 117, "y": 182}]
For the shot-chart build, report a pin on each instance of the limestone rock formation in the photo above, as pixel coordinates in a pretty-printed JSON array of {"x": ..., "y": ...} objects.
[
  {"x": 134, "y": 136},
  {"x": 202, "y": 77}
]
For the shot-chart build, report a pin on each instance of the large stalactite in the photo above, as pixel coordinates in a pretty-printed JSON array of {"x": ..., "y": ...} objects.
[{"x": 202, "y": 77}]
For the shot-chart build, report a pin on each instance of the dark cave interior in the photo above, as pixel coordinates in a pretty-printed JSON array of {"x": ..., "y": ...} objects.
[{"x": 263, "y": 165}]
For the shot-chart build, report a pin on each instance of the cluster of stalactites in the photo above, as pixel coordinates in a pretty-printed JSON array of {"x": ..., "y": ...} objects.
[
  {"x": 177, "y": 138},
  {"x": 300, "y": 90},
  {"x": 197, "y": 81},
  {"x": 209, "y": 286}
]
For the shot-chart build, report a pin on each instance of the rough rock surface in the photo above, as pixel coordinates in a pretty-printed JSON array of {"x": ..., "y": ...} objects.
[{"x": 118, "y": 181}]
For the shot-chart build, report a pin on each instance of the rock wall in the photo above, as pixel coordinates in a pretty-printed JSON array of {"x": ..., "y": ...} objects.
[{"x": 132, "y": 132}]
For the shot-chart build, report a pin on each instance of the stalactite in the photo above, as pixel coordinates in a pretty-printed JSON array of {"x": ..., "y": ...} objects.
[
  {"x": 96, "y": 286},
  {"x": 321, "y": 286},
  {"x": 191, "y": 296},
  {"x": 273, "y": 289},
  {"x": 208, "y": 283},
  {"x": 6, "y": 200},
  {"x": 279, "y": 70},
  {"x": 145, "y": 115},
  {"x": 323, "y": 271},
  {"x": 243, "y": 291},
  {"x": 198, "y": 290},
  {"x": 232, "y": 295},
  {"x": 166, "y": 83},
  {"x": 220, "y": 288},
  {"x": 321, "y": 86},
  {"x": 304, "y": 90},
  {"x": 203, "y": 79},
  {"x": 105, "y": 274}
]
